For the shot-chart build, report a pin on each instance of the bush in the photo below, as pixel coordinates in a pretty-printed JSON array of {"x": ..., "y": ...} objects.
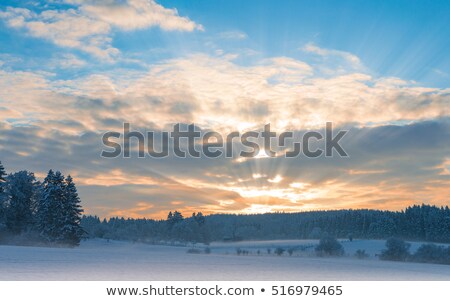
[
  {"x": 279, "y": 251},
  {"x": 432, "y": 253},
  {"x": 361, "y": 254},
  {"x": 194, "y": 251},
  {"x": 397, "y": 250},
  {"x": 329, "y": 246}
]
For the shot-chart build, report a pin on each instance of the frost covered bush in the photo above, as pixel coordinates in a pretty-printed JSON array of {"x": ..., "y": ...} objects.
[
  {"x": 279, "y": 251},
  {"x": 361, "y": 254},
  {"x": 194, "y": 251},
  {"x": 396, "y": 249},
  {"x": 329, "y": 246},
  {"x": 432, "y": 253}
]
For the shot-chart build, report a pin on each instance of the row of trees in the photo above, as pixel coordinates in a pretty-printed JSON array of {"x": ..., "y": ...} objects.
[
  {"x": 174, "y": 228},
  {"x": 47, "y": 212},
  {"x": 422, "y": 223},
  {"x": 398, "y": 250}
]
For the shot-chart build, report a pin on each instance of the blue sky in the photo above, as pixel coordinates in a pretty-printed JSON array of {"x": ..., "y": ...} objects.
[
  {"x": 406, "y": 39},
  {"x": 71, "y": 70}
]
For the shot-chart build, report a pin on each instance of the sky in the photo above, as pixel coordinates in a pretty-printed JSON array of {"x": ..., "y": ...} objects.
[{"x": 71, "y": 70}]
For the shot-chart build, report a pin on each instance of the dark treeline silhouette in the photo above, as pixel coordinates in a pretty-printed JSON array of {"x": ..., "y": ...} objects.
[
  {"x": 35, "y": 213},
  {"x": 175, "y": 228},
  {"x": 420, "y": 223}
]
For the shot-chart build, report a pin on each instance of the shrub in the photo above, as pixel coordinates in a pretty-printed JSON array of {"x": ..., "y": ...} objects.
[
  {"x": 396, "y": 249},
  {"x": 432, "y": 253},
  {"x": 329, "y": 246},
  {"x": 279, "y": 251},
  {"x": 194, "y": 251},
  {"x": 361, "y": 254}
]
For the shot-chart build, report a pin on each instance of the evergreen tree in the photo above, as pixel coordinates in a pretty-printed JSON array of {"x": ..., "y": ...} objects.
[
  {"x": 72, "y": 231},
  {"x": 20, "y": 190},
  {"x": 51, "y": 207},
  {"x": 2, "y": 175},
  {"x": 199, "y": 218},
  {"x": 2, "y": 196},
  {"x": 174, "y": 218},
  {"x": 396, "y": 249}
]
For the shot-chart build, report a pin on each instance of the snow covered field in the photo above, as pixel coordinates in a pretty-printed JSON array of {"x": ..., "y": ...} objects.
[{"x": 114, "y": 260}]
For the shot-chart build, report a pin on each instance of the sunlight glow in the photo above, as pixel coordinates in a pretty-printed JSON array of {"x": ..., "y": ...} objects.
[{"x": 277, "y": 179}]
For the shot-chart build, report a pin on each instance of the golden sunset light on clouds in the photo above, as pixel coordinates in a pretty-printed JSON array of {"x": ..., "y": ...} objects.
[{"x": 93, "y": 71}]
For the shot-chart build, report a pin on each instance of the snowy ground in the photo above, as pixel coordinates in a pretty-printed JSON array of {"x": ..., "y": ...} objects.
[{"x": 102, "y": 260}]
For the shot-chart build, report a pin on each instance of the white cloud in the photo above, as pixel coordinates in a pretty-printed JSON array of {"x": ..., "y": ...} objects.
[
  {"x": 233, "y": 35},
  {"x": 68, "y": 61},
  {"x": 352, "y": 59},
  {"x": 88, "y": 26},
  {"x": 216, "y": 92},
  {"x": 139, "y": 14},
  {"x": 440, "y": 72}
]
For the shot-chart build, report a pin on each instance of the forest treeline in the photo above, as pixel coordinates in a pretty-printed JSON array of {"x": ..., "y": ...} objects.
[
  {"x": 32, "y": 212},
  {"x": 419, "y": 222}
]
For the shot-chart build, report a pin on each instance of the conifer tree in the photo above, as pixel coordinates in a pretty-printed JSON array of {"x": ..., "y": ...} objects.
[
  {"x": 2, "y": 174},
  {"x": 72, "y": 231},
  {"x": 51, "y": 207},
  {"x": 2, "y": 196},
  {"x": 20, "y": 191}
]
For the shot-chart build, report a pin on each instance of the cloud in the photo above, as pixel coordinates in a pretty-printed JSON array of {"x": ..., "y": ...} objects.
[
  {"x": 440, "y": 73},
  {"x": 68, "y": 61},
  {"x": 138, "y": 14},
  {"x": 389, "y": 167},
  {"x": 217, "y": 93},
  {"x": 88, "y": 26},
  {"x": 233, "y": 35},
  {"x": 397, "y": 141},
  {"x": 350, "y": 58}
]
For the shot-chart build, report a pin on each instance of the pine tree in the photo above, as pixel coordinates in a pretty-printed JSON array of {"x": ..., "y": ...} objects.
[
  {"x": 51, "y": 207},
  {"x": 2, "y": 195},
  {"x": 2, "y": 174},
  {"x": 72, "y": 231},
  {"x": 20, "y": 191}
]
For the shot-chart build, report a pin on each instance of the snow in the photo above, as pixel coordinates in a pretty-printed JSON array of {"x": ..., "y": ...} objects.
[{"x": 114, "y": 260}]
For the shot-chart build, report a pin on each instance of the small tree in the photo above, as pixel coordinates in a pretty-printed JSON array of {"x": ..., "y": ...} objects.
[
  {"x": 396, "y": 249},
  {"x": 361, "y": 254},
  {"x": 432, "y": 253},
  {"x": 2, "y": 196},
  {"x": 279, "y": 251},
  {"x": 174, "y": 218},
  {"x": 199, "y": 218},
  {"x": 329, "y": 246},
  {"x": 2, "y": 176}
]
